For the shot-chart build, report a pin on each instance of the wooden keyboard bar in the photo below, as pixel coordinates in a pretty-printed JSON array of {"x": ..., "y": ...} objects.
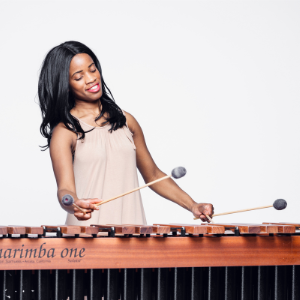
[
  {"x": 243, "y": 228},
  {"x": 88, "y": 230},
  {"x": 11, "y": 229},
  {"x": 297, "y": 225},
  {"x": 119, "y": 229},
  {"x": 161, "y": 229},
  {"x": 141, "y": 229},
  {"x": 263, "y": 227},
  {"x": 17, "y": 229},
  {"x": 70, "y": 229},
  {"x": 34, "y": 230},
  {"x": 3, "y": 230},
  {"x": 285, "y": 228},
  {"x": 198, "y": 229},
  {"x": 138, "y": 229}
]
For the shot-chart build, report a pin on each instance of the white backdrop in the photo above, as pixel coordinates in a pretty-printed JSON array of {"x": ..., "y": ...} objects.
[{"x": 214, "y": 85}]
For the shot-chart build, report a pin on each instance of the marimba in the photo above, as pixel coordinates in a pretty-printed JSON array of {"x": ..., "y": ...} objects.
[{"x": 163, "y": 261}]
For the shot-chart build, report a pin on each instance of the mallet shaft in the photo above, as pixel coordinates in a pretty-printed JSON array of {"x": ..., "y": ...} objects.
[
  {"x": 134, "y": 190},
  {"x": 209, "y": 218},
  {"x": 237, "y": 211},
  {"x": 82, "y": 210}
]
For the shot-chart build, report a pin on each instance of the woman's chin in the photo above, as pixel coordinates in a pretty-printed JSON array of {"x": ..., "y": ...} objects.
[{"x": 91, "y": 98}]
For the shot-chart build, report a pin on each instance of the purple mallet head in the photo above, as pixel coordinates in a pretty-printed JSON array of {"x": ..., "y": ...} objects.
[{"x": 67, "y": 200}]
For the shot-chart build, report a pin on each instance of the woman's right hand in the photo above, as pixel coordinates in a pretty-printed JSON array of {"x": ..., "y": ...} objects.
[{"x": 88, "y": 205}]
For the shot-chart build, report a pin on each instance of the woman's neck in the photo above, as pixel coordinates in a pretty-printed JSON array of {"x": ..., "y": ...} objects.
[{"x": 83, "y": 109}]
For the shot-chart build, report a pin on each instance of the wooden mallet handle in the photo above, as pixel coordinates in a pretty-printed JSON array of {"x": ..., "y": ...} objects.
[
  {"x": 278, "y": 204},
  {"x": 176, "y": 173},
  {"x": 237, "y": 211},
  {"x": 134, "y": 190},
  {"x": 82, "y": 210}
]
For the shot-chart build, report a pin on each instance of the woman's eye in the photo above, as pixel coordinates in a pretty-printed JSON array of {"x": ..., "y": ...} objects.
[
  {"x": 93, "y": 70},
  {"x": 77, "y": 79}
]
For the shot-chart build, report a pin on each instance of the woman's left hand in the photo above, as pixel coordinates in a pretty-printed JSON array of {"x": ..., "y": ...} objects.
[{"x": 201, "y": 209}]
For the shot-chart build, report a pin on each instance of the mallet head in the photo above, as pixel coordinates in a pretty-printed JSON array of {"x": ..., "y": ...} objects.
[
  {"x": 67, "y": 200},
  {"x": 280, "y": 204},
  {"x": 178, "y": 172}
]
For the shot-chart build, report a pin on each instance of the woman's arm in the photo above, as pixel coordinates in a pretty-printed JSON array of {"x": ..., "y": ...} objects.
[
  {"x": 166, "y": 188},
  {"x": 62, "y": 145}
]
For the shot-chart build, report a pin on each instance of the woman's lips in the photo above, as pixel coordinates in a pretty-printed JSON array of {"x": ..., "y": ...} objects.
[{"x": 94, "y": 89}]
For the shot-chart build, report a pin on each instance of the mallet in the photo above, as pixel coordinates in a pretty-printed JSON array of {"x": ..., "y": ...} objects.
[
  {"x": 68, "y": 200},
  {"x": 278, "y": 204},
  {"x": 176, "y": 173}
]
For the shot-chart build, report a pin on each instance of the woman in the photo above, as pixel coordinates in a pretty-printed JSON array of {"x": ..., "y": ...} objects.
[{"x": 96, "y": 147}]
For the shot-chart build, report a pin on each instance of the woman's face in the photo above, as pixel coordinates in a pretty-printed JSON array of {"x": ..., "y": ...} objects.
[{"x": 84, "y": 78}]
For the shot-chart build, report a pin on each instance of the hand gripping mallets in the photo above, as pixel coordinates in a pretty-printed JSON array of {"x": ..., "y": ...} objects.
[
  {"x": 279, "y": 204},
  {"x": 177, "y": 173}
]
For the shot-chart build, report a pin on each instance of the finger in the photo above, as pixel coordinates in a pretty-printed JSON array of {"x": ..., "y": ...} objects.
[
  {"x": 88, "y": 210},
  {"x": 82, "y": 217},
  {"x": 203, "y": 218},
  {"x": 212, "y": 210},
  {"x": 93, "y": 207},
  {"x": 208, "y": 211},
  {"x": 84, "y": 204},
  {"x": 95, "y": 200},
  {"x": 95, "y": 203},
  {"x": 80, "y": 214}
]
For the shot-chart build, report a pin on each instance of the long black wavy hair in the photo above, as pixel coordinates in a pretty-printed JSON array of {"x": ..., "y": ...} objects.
[{"x": 56, "y": 100}]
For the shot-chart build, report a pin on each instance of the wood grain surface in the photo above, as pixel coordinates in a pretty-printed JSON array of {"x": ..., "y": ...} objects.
[
  {"x": 119, "y": 229},
  {"x": 285, "y": 227},
  {"x": 138, "y": 229},
  {"x": 243, "y": 228},
  {"x": 88, "y": 230},
  {"x": 161, "y": 229},
  {"x": 34, "y": 230},
  {"x": 148, "y": 252},
  {"x": 197, "y": 229},
  {"x": 13, "y": 229},
  {"x": 3, "y": 230},
  {"x": 264, "y": 228},
  {"x": 70, "y": 229}
]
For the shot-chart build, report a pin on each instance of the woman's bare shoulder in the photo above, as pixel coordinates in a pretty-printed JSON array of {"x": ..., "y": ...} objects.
[
  {"x": 131, "y": 122},
  {"x": 62, "y": 135}
]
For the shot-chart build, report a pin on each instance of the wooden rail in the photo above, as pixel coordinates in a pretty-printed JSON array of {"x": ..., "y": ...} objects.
[{"x": 148, "y": 252}]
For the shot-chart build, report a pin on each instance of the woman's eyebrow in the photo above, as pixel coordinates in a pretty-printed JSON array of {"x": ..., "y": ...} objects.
[
  {"x": 76, "y": 73},
  {"x": 81, "y": 70}
]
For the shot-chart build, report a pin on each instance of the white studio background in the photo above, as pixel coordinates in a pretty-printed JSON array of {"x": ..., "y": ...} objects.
[{"x": 214, "y": 85}]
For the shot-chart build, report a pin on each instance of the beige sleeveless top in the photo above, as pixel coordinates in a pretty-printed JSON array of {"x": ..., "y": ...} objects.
[{"x": 105, "y": 166}]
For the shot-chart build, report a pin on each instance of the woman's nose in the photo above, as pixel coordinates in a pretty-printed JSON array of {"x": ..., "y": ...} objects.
[{"x": 90, "y": 77}]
